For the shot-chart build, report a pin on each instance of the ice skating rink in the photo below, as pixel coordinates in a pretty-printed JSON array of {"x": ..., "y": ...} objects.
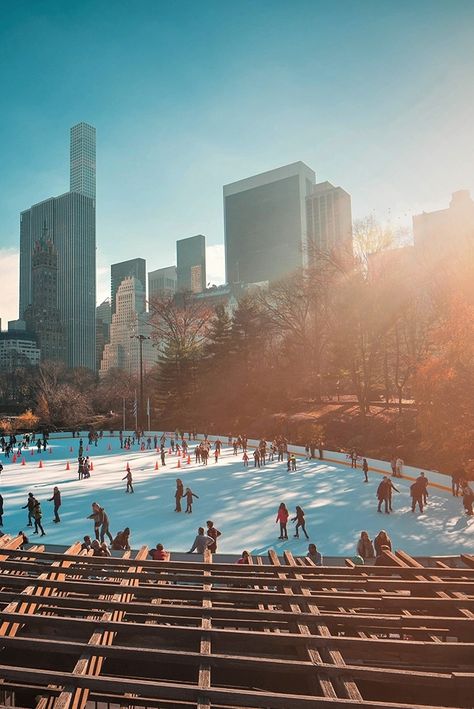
[{"x": 241, "y": 501}]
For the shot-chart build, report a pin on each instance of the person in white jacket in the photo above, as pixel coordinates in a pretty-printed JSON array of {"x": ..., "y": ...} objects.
[{"x": 202, "y": 542}]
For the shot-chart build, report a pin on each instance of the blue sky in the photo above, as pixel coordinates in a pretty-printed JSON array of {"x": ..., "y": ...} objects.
[{"x": 377, "y": 97}]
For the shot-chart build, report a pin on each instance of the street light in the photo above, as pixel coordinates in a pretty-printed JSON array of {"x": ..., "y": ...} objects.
[{"x": 140, "y": 339}]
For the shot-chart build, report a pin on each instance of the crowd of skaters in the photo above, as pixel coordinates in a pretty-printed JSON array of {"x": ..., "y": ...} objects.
[{"x": 263, "y": 453}]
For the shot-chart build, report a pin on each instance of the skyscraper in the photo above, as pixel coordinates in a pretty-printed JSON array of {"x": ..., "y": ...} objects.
[
  {"x": 129, "y": 319},
  {"x": 42, "y": 317},
  {"x": 70, "y": 221},
  {"x": 265, "y": 224},
  {"x": 103, "y": 318},
  {"x": 82, "y": 160},
  {"x": 329, "y": 219},
  {"x": 135, "y": 267},
  {"x": 162, "y": 282},
  {"x": 191, "y": 263}
]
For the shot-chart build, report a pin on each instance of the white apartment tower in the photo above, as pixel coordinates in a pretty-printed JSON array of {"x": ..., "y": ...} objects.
[{"x": 130, "y": 319}]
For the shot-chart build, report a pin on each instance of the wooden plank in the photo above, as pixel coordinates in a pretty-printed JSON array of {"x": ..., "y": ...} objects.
[
  {"x": 347, "y": 686},
  {"x": 318, "y": 681},
  {"x": 89, "y": 664},
  {"x": 204, "y": 676},
  {"x": 176, "y": 690}
]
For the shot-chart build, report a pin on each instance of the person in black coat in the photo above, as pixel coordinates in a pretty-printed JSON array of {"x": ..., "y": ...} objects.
[
  {"x": 178, "y": 494},
  {"x": 56, "y": 498},
  {"x": 1, "y": 511},
  {"x": 416, "y": 492}
]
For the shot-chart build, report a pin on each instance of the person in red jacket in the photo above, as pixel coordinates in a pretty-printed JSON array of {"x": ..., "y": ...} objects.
[
  {"x": 159, "y": 554},
  {"x": 282, "y": 518}
]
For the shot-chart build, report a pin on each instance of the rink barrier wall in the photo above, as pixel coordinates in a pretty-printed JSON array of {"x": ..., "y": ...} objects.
[{"x": 381, "y": 467}]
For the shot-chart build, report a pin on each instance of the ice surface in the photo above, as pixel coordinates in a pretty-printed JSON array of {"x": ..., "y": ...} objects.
[{"x": 241, "y": 501}]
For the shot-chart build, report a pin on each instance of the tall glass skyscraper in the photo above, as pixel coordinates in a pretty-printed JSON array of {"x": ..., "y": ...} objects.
[
  {"x": 265, "y": 224},
  {"x": 82, "y": 160},
  {"x": 70, "y": 221}
]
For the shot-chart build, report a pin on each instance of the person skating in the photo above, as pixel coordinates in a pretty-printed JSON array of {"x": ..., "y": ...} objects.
[
  {"x": 456, "y": 478},
  {"x": 96, "y": 516},
  {"x": 300, "y": 522},
  {"x": 467, "y": 499},
  {"x": 365, "y": 469},
  {"x": 353, "y": 456},
  {"x": 256, "y": 458},
  {"x": 365, "y": 547},
  {"x": 423, "y": 482},
  {"x": 399, "y": 467},
  {"x": 189, "y": 494},
  {"x": 214, "y": 534},
  {"x": 162, "y": 455},
  {"x": 201, "y": 542},
  {"x": 314, "y": 555},
  {"x": 245, "y": 458},
  {"x": 293, "y": 461},
  {"x": 30, "y": 504},
  {"x": 382, "y": 540},
  {"x": 122, "y": 540},
  {"x": 37, "y": 514},
  {"x": 282, "y": 518},
  {"x": 128, "y": 478},
  {"x": 384, "y": 494},
  {"x": 416, "y": 492},
  {"x": 178, "y": 494},
  {"x": 56, "y": 498}
]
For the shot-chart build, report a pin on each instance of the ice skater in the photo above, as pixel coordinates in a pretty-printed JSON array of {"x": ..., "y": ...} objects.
[
  {"x": 282, "y": 518},
  {"x": 189, "y": 494},
  {"x": 37, "y": 515},
  {"x": 56, "y": 499},
  {"x": 300, "y": 522},
  {"x": 128, "y": 478},
  {"x": 178, "y": 494},
  {"x": 365, "y": 469}
]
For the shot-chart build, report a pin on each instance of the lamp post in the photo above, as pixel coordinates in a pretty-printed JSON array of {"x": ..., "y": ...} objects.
[{"x": 140, "y": 339}]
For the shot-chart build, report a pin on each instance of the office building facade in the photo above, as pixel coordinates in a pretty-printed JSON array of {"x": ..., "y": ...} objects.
[
  {"x": 129, "y": 321},
  {"x": 329, "y": 220},
  {"x": 70, "y": 221},
  {"x": 191, "y": 264},
  {"x": 133, "y": 268},
  {"x": 162, "y": 282},
  {"x": 42, "y": 317},
  {"x": 103, "y": 319},
  {"x": 18, "y": 348},
  {"x": 265, "y": 225}
]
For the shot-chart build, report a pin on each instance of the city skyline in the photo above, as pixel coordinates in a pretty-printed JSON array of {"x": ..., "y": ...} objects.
[{"x": 345, "y": 89}]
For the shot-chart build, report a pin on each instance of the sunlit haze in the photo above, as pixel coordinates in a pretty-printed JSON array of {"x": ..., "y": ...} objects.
[{"x": 376, "y": 97}]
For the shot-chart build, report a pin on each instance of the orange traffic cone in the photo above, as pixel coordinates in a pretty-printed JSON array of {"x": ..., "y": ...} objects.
[
  {"x": 156, "y": 466},
  {"x": 189, "y": 459},
  {"x": 179, "y": 463},
  {"x": 41, "y": 464},
  {"x": 91, "y": 466},
  {"x": 68, "y": 467},
  {"x": 14, "y": 459},
  {"x": 23, "y": 461}
]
